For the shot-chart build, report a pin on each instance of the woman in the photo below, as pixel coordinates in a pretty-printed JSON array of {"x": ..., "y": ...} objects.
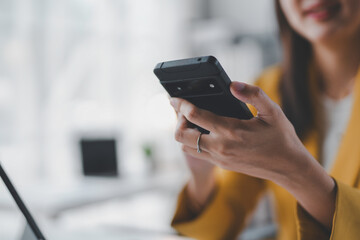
[{"x": 283, "y": 148}]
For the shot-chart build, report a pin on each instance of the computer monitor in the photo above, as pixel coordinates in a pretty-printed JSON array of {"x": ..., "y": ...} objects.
[
  {"x": 99, "y": 157},
  {"x": 24, "y": 227}
]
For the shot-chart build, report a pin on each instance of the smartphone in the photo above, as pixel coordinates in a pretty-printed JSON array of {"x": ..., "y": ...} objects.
[{"x": 203, "y": 82}]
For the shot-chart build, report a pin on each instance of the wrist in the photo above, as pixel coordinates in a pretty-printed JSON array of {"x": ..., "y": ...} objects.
[
  {"x": 309, "y": 177},
  {"x": 298, "y": 172},
  {"x": 310, "y": 184},
  {"x": 200, "y": 190}
]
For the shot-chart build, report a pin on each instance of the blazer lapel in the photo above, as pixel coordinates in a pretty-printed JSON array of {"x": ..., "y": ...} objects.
[{"x": 347, "y": 163}]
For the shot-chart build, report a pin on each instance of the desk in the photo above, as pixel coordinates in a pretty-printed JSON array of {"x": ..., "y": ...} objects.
[
  {"x": 89, "y": 208},
  {"x": 108, "y": 234},
  {"x": 52, "y": 200}
]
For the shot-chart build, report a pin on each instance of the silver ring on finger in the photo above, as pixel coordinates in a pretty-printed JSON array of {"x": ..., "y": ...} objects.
[{"x": 198, "y": 143}]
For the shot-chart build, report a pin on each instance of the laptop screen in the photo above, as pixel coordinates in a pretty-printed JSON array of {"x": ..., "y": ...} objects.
[{"x": 14, "y": 216}]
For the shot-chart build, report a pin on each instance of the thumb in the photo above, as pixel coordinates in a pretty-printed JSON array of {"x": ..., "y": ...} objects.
[{"x": 255, "y": 96}]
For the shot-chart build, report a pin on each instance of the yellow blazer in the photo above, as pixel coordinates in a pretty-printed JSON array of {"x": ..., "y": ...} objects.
[{"x": 237, "y": 194}]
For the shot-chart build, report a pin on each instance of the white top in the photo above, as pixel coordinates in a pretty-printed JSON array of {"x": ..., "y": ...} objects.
[{"x": 336, "y": 115}]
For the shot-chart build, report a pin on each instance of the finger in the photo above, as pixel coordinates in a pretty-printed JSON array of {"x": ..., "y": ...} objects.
[
  {"x": 176, "y": 112},
  {"x": 200, "y": 117},
  {"x": 256, "y": 97},
  {"x": 182, "y": 123},
  {"x": 203, "y": 155},
  {"x": 189, "y": 137}
]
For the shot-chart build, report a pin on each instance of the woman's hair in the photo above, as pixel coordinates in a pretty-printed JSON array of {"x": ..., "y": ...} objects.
[{"x": 294, "y": 85}]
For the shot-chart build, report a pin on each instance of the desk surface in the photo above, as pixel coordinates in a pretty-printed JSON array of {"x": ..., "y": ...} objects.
[
  {"x": 99, "y": 208},
  {"x": 109, "y": 234},
  {"x": 51, "y": 200}
]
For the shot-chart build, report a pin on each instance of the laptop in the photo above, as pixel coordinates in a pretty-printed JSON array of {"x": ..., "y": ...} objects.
[{"x": 32, "y": 230}]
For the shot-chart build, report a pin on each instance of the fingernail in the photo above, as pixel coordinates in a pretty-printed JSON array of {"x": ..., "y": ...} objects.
[{"x": 239, "y": 86}]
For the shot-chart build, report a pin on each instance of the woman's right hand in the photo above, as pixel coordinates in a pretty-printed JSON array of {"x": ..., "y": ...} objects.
[{"x": 202, "y": 181}]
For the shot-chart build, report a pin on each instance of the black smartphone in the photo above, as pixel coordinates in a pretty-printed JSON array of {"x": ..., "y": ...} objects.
[{"x": 203, "y": 82}]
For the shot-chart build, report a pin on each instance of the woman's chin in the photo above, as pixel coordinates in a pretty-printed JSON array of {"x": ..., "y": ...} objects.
[{"x": 322, "y": 36}]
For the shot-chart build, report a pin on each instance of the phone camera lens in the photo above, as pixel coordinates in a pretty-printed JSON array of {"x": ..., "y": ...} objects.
[{"x": 211, "y": 85}]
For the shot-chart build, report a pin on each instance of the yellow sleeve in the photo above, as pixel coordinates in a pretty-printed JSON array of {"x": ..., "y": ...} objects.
[
  {"x": 225, "y": 215},
  {"x": 346, "y": 220}
]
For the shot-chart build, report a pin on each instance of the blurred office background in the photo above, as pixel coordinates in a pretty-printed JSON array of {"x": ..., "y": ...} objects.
[{"x": 79, "y": 72}]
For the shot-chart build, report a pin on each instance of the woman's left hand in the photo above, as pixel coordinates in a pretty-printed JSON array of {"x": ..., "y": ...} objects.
[{"x": 265, "y": 146}]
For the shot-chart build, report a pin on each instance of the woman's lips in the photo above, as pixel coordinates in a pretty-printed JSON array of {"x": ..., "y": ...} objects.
[{"x": 322, "y": 11}]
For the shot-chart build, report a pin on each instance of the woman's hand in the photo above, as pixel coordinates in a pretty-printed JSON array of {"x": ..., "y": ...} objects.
[
  {"x": 265, "y": 146},
  {"x": 202, "y": 181}
]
